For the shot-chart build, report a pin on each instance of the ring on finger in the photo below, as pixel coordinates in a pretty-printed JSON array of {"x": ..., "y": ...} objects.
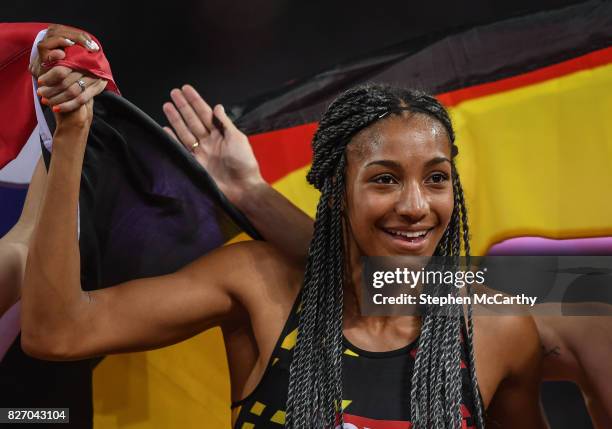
[
  {"x": 81, "y": 84},
  {"x": 195, "y": 145}
]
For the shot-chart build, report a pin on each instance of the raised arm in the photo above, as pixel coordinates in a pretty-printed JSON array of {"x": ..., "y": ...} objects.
[
  {"x": 61, "y": 321},
  {"x": 224, "y": 151}
]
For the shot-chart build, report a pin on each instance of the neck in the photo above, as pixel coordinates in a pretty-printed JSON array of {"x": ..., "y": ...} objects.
[{"x": 353, "y": 299}]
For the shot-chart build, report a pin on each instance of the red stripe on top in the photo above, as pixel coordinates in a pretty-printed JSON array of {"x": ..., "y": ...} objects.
[
  {"x": 280, "y": 152},
  {"x": 584, "y": 62}
]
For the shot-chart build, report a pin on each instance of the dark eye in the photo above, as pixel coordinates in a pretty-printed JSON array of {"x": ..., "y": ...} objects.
[
  {"x": 384, "y": 179},
  {"x": 438, "y": 178}
]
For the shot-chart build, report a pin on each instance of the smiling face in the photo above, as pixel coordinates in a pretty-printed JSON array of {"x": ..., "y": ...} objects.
[{"x": 399, "y": 192}]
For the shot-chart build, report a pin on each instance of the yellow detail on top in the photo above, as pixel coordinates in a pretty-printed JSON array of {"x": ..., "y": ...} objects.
[
  {"x": 290, "y": 339},
  {"x": 346, "y": 403},
  {"x": 257, "y": 408},
  {"x": 350, "y": 353},
  {"x": 278, "y": 417},
  {"x": 247, "y": 426}
]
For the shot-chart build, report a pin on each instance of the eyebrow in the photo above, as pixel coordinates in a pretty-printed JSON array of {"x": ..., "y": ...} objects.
[{"x": 393, "y": 164}]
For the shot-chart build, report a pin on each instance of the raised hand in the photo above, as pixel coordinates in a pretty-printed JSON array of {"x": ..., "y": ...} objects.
[
  {"x": 221, "y": 148},
  {"x": 61, "y": 87}
]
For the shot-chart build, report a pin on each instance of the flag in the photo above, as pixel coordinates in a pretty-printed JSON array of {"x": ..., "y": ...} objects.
[{"x": 530, "y": 97}]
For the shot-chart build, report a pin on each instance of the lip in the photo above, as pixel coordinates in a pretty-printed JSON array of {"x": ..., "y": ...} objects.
[{"x": 410, "y": 245}]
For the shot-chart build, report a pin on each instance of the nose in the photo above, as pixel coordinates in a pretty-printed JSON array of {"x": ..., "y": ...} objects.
[{"x": 412, "y": 202}]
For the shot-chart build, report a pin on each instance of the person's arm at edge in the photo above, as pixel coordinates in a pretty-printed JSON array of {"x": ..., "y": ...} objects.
[
  {"x": 14, "y": 244},
  {"x": 53, "y": 267},
  {"x": 518, "y": 404}
]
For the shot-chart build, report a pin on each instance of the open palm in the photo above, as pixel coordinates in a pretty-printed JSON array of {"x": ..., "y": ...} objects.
[{"x": 221, "y": 148}]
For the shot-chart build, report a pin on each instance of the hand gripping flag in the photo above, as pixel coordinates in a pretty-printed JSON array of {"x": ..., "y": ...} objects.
[{"x": 16, "y": 101}]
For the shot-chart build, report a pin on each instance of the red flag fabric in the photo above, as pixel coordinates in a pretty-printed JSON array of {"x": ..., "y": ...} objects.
[{"x": 16, "y": 82}]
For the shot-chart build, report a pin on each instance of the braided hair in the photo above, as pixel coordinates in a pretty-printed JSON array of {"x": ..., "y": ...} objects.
[{"x": 315, "y": 385}]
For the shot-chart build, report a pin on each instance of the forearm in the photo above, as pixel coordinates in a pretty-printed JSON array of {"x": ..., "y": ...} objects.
[
  {"x": 52, "y": 299},
  {"x": 22, "y": 230},
  {"x": 279, "y": 221},
  {"x": 14, "y": 244}
]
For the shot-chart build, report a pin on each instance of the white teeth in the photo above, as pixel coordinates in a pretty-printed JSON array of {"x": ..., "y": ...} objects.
[{"x": 409, "y": 234}]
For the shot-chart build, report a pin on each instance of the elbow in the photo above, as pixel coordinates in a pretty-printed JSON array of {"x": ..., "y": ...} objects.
[{"x": 46, "y": 347}]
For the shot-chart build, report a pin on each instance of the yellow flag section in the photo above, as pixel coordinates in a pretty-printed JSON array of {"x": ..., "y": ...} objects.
[
  {"x": 534, "y": 160},
  {"x": 537, "y": 160},
  {"x": 182, "y": 386}
]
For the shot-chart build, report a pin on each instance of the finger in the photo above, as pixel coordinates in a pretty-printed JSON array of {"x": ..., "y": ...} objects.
[
  {"x": 223, "y": 120},
  {"x": 194, "y": 123},
  {"x": 54, "y": 42},
  {"x": 76, "y": 35},
  {"x": 171, "y": 133},
  {"x": 86, "y": 96},
  {"x": 52, "y": 91},
  {"x": 176, "y": 120},
  {"x": 71, "y": 92},
  {"x": 202, "y": 109},
  {"x": 54, "y": 76}
]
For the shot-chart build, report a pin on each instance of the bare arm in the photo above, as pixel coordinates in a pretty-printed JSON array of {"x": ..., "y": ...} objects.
[
  {"x": 61, "y": 321},
  {"x": 14, "y": 244},
  {"x": 516, "y": 402},
  {"x": 225, "y": 153},
  {"x": 278, "y": 220},
  {"x": 577, "y": 349}
]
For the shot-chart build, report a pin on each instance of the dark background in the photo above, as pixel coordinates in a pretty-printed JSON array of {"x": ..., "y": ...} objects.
[{"x": 232, "y": 51}]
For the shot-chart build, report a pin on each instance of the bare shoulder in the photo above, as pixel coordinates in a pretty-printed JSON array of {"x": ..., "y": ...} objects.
[
  {"x": 514, "y": 338},
  {"x": 574, "y": 332}
]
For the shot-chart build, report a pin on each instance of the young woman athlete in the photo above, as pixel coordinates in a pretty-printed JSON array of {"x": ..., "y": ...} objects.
[{"x": 299, "y": 351}]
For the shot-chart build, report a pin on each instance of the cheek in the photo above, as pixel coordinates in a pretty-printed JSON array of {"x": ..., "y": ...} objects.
[
  {"x": 365, "y": 211},
  {"x": 443, "y": 206}
]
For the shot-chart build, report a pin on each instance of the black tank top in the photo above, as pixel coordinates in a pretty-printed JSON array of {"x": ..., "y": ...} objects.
[{"x": 376, "y": 395}]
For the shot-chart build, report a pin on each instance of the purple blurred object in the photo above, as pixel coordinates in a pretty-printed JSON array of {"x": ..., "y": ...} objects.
[{"x": 535, "y": 246}]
